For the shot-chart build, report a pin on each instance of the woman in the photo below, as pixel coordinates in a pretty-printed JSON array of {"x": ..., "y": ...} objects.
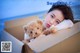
[{"x": 57, "y": 14}]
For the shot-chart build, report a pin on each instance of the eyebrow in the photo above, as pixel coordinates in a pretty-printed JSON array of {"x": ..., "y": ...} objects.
[{"x": 53, "y": 14}]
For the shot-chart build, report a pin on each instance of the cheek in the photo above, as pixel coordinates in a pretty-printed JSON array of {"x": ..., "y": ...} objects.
[
  {"x": 47, "y": 19},
  {"x": 55, "y": 24}
]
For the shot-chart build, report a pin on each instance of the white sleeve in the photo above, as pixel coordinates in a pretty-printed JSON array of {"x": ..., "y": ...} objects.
[{"x": 64, "y": 24}]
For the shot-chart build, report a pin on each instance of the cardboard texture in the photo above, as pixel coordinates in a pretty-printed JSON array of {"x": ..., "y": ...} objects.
[{"x": 70, "y": 45}]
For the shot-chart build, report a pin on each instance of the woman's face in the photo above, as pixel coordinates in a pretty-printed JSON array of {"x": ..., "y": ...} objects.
[{"x": 53, "y": 18}]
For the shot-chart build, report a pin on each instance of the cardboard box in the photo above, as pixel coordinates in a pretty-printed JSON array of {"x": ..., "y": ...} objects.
[{"x": 69, "y": 45}]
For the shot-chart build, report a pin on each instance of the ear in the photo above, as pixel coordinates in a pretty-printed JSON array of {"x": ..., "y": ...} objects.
[
  {"x": 40, "y": 22},
  {"x": 25, "y": 28}
]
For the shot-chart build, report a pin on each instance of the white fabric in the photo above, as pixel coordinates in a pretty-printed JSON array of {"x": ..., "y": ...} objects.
[
  {"x": 63, "y": 25},
  {"x": 26, "y": 36}
]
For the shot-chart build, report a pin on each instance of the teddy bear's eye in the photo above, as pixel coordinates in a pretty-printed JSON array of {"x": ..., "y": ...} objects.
[
  {"x": 31, "y": 32},
  {"x": 38, "y": 28},
  {"x": 36, "y": 33},
  {"x": 25, "y": 29}
]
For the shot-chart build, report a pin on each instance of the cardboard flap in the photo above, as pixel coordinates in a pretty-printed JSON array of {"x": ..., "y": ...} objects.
[{"x": 15, "y": 27}]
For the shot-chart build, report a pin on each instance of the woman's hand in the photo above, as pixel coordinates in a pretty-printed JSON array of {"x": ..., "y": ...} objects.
[
  {"x": 49, "y": 31},
  {"x": 46, "y": 32}
]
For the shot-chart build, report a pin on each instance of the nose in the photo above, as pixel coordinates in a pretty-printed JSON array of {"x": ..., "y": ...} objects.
[
  {"x": 34, "y": 37},
  {"x": 52, "y": 21}
]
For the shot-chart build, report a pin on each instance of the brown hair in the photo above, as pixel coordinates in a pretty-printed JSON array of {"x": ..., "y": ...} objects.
[{"x": 66, "y": 10}]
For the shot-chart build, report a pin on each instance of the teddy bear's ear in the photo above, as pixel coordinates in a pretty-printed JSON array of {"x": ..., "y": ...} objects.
[
  {"x": 25, "y": 28},
  {"x": 40, "y": 22}
]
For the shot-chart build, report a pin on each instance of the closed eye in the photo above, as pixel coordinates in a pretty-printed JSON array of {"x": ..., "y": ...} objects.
[
  {"x": 58, "y": 21},
  {"x": 52, "y": 16}
]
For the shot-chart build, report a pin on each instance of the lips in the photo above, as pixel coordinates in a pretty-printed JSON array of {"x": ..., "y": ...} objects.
[{"x": 48, "y": 25}]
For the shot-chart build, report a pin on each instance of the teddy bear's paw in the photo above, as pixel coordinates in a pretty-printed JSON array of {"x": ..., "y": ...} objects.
[
  {"x": 53, "y": 31},
  {"x": 46, "y": 32}
]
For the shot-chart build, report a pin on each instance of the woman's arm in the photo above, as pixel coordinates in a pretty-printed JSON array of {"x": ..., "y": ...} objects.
[{"x": 63, "y": 25}]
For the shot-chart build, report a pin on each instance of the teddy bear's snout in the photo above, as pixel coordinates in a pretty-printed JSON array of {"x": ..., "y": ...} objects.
[{"x": 36, "y": 33}]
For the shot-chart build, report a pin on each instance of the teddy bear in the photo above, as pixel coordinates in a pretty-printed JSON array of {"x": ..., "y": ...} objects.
[
  {"x": 33, "y": 29},
  {"x": 36, "y": 28}
]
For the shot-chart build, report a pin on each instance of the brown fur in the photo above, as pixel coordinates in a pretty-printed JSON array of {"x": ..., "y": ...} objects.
[{"x": 34, "y": 29}]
